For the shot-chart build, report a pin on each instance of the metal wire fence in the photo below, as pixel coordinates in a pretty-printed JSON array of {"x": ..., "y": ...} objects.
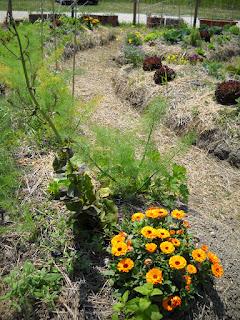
[{"x": 209, "y": 8}]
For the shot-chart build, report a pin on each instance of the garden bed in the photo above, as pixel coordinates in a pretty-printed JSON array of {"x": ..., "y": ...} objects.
[{"x": 191, "y": 96}]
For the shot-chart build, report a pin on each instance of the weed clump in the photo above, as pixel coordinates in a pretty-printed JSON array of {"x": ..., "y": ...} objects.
[
  {"x": 228, "y": 92},
  {"x": 164, "y": 74},
  {"x": 152, "y": 63}
]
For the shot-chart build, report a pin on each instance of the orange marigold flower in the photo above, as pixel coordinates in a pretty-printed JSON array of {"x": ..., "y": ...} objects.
[
  {"x": 191, "y": 269},
  {"x": 138, "y": 216},
  {"x": 171, "y": 303},
  {"x": 167, "y": 305},
  {"x": 199, "y": 255},
  {"x": 178, "y": 214},
  {"x": 204, "y": 247},
  {"x": 188, "y": 279},
  {"x": 176, "y": 301},
  {"x": 212, "y": 257},
  {"x": 175, "y": 242},
  {"x": 147, "y": 262},
  {"x": 118, "y": 238},
  {"x": 162, "y": 233},
  {"x": 186, "y": 224},
  {"x": 217, "y": 270},
  {"x": 154, "y": 276},
  {"x": 177, "y": 262},
  {"x": 151, "y": 247},
  {"x": 179, "y": 232},
  {"x": 187, "y": 288},
  {"x": 148, "y": 232},
  {"x": 125, "y": 265},
  {"x": 156, "y": 213},
  {"x": 172, "y": 232},
  {"x": 167, "y": 247},
  {"x": 119, "y": 249}
]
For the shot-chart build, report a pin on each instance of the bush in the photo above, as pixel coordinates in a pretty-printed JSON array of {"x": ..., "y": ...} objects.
[
  {"x": 156, "y": 268},
  {"x": 235, "y": 30},
  {"x": 131, "y": 166},
  {"x": 214, "y": 69},
  {"x": 154, "y": 35},
  {"x": 133, "y": 55},
  {"x": 152, "y": 63},
  {"x": 228, "y": 92},
  {"x": 195, "y": 37},
  {"x": 29, "y": 285},
  {"x": 134, "y": 38},
  {"x": 174, "y": 35},
  {"x": 163, "y": 75}
]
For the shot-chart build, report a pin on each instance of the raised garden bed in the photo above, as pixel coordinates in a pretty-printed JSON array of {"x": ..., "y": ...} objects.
[
  {"x": 33, "y": 17},
  {"x": 217, "y": 22},
  {"x": 105, "y": 19},
  {"x": 153, "y": 22}
]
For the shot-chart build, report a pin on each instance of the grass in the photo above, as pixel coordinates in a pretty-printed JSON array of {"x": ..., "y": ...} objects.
[{"x": 211, "y": 9}]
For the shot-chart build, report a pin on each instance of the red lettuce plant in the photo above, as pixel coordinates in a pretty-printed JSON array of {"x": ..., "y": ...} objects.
[
  {"x": 228, "y": 92},
  {"x": 164, "y": 74},
  {"x": 152, "y": 63}
]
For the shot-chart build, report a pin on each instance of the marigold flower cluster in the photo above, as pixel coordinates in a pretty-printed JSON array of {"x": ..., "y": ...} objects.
[{"x": 155, "y": 248}]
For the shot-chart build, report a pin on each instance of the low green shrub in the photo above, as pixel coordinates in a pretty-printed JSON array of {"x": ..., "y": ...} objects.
[
  {"x": 134, "y": 38},
  {"x": 9, "y": 173},
  {"x": 29, "y": 285},
  {"x": 132, "y": 166},
  {"x": 234, "y": 30},
  {"x": 154, "y": 35},
  {"x": 195, "y": 37},
  {"x": 215, "y": 69},
  {"x": 175, "y": 35},
  {"x": 133, "y": 55}
]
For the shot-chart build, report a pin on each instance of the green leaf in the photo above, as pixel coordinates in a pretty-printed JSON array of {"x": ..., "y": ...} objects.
[
  {"x": 156, "y": 292},
  {"x": 104, "y": 192},
  {"x": 145, "y": 289},
  {"x": 132, "y": 305},
  {"x": 144, "y": 304},
  {"x": 154, "y": 312},
  {"x": 125, "y": 296},
  {"x": 115, "y": 316},
  {"x": 118, "y": 306}
]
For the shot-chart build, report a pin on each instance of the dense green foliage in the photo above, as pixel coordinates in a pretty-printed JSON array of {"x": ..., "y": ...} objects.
[
  {"x": 30, "y": 284},
  {"x": 131, "y": 165},
  {"x": 9, "y": 174}
]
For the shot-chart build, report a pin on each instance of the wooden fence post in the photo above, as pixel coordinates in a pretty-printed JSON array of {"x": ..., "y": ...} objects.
[
  {"x": 134, "y": 11},
  {"x": 197, "y": 4}
]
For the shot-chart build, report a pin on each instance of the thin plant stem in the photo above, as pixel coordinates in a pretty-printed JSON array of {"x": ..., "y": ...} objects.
[
  {"x": 28, "y": 85},
  {"x": 74, "y": 53}
]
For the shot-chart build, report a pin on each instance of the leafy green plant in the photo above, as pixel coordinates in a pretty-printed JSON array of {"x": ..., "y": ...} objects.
[
  {"x": 134, "y": 38},
  {"x": 200, "y": 51},
  {"x": 234, "y": 67},
  {"x": 214, "y": 69},
  {"x": 133, "y": 55},
  {"x": 9, "y": 173},
  {"x": 234, "y": 30},
  {"x": 92, "y": 207},
  {"x": 154, "y": 35},
  {"x": 130, "y": 165},
  {"x": 195, "y": 37},
  {"x": 139, "y": 307},
  {"x": 29, "y": 285},
  {"x": 174, "y": 35}
]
